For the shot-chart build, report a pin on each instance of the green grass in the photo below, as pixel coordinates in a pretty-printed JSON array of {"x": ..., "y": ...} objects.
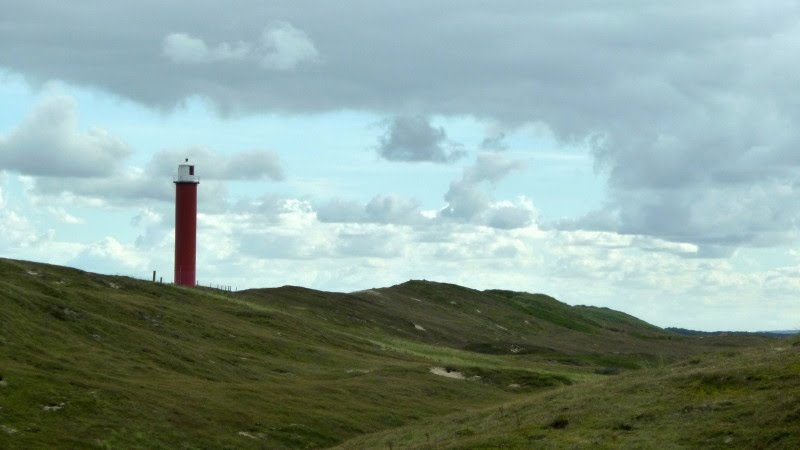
[
  {"x": 750, "y": 400},
  {"x": 92, "y": 361}
]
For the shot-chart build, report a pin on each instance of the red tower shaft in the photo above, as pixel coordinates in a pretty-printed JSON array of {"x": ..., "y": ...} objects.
[{"x": 185, "y": 232}]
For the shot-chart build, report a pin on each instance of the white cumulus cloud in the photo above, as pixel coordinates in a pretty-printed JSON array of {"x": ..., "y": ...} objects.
[{"x": 49, "y": 143}]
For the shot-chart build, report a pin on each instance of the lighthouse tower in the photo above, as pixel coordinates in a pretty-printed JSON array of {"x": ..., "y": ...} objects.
[{"x": 185, "y": 224}]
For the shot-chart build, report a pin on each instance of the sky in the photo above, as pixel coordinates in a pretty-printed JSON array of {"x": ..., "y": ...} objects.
[{"x": 642, "y": 156}]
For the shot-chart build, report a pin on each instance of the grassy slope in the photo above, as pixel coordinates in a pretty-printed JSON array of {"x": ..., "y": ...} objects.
[
  {"x": 97, "y": 361},
  {"x": 747, "y": 399}
]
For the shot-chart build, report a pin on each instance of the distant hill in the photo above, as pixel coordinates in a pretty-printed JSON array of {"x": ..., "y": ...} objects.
[
  {"x": 685, "y": 332},
  {"x": 89, "y": 361}
]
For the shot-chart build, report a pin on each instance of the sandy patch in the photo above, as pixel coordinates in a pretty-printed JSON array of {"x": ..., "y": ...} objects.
[
  {"x": 32, "y": 273},
  {"x": 416, "y": 299},
  {"x": 442, "y": 372},
  {"x": 501, "y": 327},
  {"x": 8, "y": 430},
  {"x": 419, "y": 327},
  {"x": 250, "y": 435},
  {"x": 53, "y": 407}
]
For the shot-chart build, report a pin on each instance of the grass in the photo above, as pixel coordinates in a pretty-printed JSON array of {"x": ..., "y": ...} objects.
[
  {"x": 92, "y": 361},
  {"x": 751, "y": 400}
]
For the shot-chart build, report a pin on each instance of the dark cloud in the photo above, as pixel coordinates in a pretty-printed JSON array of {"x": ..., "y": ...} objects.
[
  {"x": 414, "y": 139},
  {"x": 717, "y": 218},
  {"x": 49, "y": 143}
]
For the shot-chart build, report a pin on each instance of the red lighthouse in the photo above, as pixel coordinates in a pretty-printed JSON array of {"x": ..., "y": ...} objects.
[{"x": 185, "y": 224}]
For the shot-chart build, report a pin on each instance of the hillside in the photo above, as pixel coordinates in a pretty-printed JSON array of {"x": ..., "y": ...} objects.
[
  {"x": 748, "y": 399},
  {"x": 90, "y": 361}
]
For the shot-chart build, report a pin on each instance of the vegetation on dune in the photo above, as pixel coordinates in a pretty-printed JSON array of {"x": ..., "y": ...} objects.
[
  {"x": 92, "y": 361},
  {"x": 748, "y": 399}
]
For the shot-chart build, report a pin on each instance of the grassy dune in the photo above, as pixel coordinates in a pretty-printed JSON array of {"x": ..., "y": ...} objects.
[
  {"x": 92, "y": 361},
  {"x": 747, "y": 399}
]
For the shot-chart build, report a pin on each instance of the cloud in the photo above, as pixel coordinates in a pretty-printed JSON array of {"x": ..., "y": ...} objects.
[
  {"x": 414, "y": 139},
  {"x": 370, "y": 242},
  {"x": 17, "y": 231},
  {"x": 393, "y": 209},
  {"x": 286, "y": 47},
  {"x": 154, "y": 230},
  {"x": 385, "y": 209},
  {"x": 716, "y": 218},
  {"x": 253, "y": 165},
  {"x": 110, "y": 256},
  {"x": 146, "y": 217},
  {"x": 64, "y": 217},
  {"x": 291, "y": 231},
  {"x": 507, "y": 215},
  {"x": 339, "y": 210},
  {"x": 49, "y": 143},
  {"x": 186, "y": 49},
  {"x": 494, "y": 139},
  {"x": 129, "y": 187},
  {"x": 491, "y": 167},
  {"x": 282, "y": 47},
  {"x": 248, "y": 165},
  {"x": 56, "y": 159},
  {"x": 680, "y": 120},
  {"x": 668, "y": 114},
  {"x": 468, "y": 200}
]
